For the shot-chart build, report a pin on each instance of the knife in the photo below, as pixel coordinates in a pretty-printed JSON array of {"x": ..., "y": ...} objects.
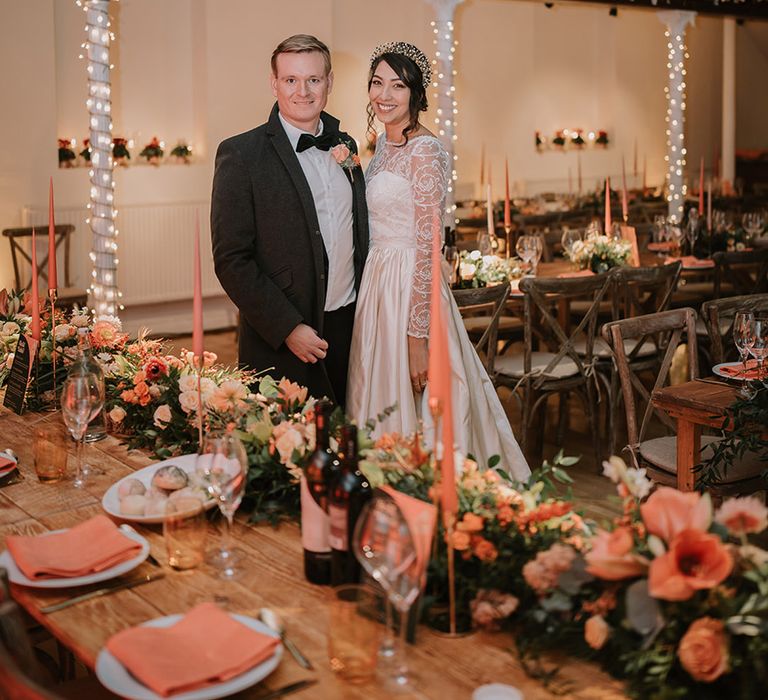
[
  {"x": 101, "y": 591},
  {"x": 288, "y": 689}
]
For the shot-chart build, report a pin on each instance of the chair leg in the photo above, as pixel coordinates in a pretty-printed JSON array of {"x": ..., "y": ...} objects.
[
  {"x": 562, "y": 421},
  {"x": 593, "y": 425}
]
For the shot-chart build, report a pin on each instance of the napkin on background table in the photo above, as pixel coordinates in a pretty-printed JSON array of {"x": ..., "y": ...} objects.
[
  {"x": 660, "y": 247},
  {"x": 690, "y": 261},
  {"x": 206, "y": 646},
  {"x": 576, "y": 273},
  {"x": 92, "y": 546}
]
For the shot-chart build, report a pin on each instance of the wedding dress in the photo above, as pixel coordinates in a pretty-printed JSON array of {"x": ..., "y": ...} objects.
[{"x": 406, "y": 186}]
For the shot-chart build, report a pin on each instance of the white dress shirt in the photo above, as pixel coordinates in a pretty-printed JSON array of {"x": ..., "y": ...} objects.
[{"x": 332, "y": 193}]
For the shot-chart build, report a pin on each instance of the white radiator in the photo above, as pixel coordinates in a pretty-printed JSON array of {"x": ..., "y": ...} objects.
[{"x": 155, "y": 250}]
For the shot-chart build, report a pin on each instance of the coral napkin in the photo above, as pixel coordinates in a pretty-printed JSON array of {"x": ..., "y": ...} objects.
[
  {"x": 690, "y": 261},
  {"x": 577, "y": 273},
  {"x": 660, "y": 247},
  {"x": 206, "y": 646},
  {"x": 6, "y": 464},
  {"x": 94, "y": 545},
  {"x": 752, "y": 371},
  {"x": 421, "y": 517}
]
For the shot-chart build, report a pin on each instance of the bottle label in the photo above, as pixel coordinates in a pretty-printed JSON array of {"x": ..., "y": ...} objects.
[
  {"x": 338, "y": 521},
  {"x": 314, "y": 523}
]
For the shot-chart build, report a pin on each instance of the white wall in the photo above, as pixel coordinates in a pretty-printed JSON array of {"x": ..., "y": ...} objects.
[{"x": 198, "y": 70}]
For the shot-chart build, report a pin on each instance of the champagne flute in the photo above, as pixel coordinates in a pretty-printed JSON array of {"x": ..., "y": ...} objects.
[
  {"x": 81, "y": 401},
  {"x": 385, "y": 548},
  {"x": 221, "y": 466},
  {"x": 568, "y": 240},
  {"x": 743, "y": 333},
  {"x": 693, "y": 227}
]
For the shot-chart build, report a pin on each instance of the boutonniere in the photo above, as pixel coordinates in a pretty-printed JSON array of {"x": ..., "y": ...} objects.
[{"x": 343, "y": 155}]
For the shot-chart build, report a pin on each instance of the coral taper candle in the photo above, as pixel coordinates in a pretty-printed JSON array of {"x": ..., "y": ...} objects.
[
  {"x": 709, "y": 204},
  {"x": 507, "y": 209},
  {"x": 482, "y": 166},
  {"x": 701, "y": 187},
  {"x": 624, "y": 204},
  {"x": 35, "y": 325},
  {"x": 645, "y": 171},
  {"x": 578, "y": 171},
  {"x": 634, "y": 170},
  {"x": 53, "y": 281},
  {"x": 607, "y": 206},
  {"x": 197, "y": 300},
  {"x": 489, "y": 206}
]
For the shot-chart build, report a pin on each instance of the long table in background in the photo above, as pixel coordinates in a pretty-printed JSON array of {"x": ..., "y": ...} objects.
[{"x": 446, "y": 668}]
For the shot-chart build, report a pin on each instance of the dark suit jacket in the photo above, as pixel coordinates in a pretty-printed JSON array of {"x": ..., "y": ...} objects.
[{"x": 267, "y": 248}]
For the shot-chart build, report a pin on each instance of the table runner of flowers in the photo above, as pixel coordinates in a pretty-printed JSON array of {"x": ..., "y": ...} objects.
[{"x": 672, "y": 596}]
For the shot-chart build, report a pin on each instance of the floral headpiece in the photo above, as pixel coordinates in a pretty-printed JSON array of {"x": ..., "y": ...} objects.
[{"x": 409, "y": 51}]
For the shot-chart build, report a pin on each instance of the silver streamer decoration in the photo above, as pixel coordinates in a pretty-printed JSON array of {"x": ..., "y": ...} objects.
[
  {"x": 442, "y": 76},
  {"x": 676, "y": 22},
  {"x": 105, "y": 295}
]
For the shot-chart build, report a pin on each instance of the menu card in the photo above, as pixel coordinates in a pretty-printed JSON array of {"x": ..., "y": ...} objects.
[{"x": 20, "y": 374}]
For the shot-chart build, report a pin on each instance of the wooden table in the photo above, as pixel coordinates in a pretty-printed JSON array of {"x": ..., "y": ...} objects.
[
  {"x": 694, "y": 405},
  {"x": 447, "y": 668}
]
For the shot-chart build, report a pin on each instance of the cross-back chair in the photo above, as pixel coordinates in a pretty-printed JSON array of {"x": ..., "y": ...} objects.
[
  {"x": 718, "y": 316},
  {"x": 18, "y": 238},
  {"x": 743, "y": 272},
  {"x": 659, "y": 454},
  {"x": 489, "y": 302},
  {"x": 558, "y": 369}
]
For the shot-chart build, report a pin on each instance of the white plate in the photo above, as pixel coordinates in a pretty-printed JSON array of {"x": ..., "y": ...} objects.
[
  {"x": 111, "y": 502},
  {"x": 115, "y": 677},
  {"x": 4, "y": 471},
  {"x": 718, "y": 370},
  {"x": 14, "y": 573}
]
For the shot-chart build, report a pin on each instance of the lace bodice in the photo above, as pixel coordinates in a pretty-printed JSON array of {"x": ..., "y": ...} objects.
[{"x": 405, "y": 188}]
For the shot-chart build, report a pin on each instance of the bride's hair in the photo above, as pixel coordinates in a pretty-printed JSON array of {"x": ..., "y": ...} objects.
[{"x": 411, "y": 75}]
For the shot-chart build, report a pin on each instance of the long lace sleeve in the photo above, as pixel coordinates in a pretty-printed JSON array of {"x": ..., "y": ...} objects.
[{"x": 429, "y": 179}]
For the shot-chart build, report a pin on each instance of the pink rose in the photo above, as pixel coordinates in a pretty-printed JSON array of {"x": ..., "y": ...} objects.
[
  {"x": 162, "y": 416},
  {"x": 340, "y": 153}
]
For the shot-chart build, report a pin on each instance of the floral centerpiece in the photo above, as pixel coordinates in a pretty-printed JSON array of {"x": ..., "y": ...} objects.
[
  {"x": 85, "y": 154},
  {"x": 120, "y": 151},
  {"x": 182, "y": 152},
  {"x": 67, "y": 156},
  {"x": 477, "y": 270},
  {"x": 672, "y": 596},
  {"x": 153, "y": 151},
  {"x": 600, "y": 253}
]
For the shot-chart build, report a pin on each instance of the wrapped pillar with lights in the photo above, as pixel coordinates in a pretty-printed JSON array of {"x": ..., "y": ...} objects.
[
  {"x": 676, "y": 23},
  {"x": 105, "y": 295},
  {"x": 443, "y": 75}
]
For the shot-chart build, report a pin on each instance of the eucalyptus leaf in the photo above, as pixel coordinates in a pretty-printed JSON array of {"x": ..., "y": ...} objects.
[
  {"x": 557, "y": 602},
  {"x": 643, "y": 611}
]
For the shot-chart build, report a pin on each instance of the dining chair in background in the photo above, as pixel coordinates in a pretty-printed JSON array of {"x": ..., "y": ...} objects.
[
  {"x": 489, "y": 303},
  {"x": 717, "y": 316},
  {"x": 740, "y": 272}
]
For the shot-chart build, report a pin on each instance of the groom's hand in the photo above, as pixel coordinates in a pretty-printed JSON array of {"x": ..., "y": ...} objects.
[{"x": 307, "y": 345}]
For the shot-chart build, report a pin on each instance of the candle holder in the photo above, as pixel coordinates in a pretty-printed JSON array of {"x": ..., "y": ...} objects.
[
  {"x": 53, "y": 297},
  {"x": 507, "y": 232}
]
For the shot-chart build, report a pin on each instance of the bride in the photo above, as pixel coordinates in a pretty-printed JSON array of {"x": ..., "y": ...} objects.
[{"x": 406, "y": 184}]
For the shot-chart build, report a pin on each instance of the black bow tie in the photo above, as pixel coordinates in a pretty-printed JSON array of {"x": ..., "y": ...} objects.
[{"x": 324, "y": 142}]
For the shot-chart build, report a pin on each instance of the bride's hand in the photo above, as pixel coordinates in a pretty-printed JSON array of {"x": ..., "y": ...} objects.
[{"x": 418, "y": 362}]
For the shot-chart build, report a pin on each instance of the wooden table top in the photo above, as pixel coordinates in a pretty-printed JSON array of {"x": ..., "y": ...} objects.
[
  {"x": 446, "y": 668},
  {"x": 703, "y": 401}
]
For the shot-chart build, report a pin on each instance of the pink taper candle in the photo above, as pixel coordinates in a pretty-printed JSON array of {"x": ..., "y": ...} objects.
[
  {"x": 507, "y": 211},
  {"x": 624, "y": 204},
  {"x": 709, "y": 204},
  {"x": 634, "y": 170},
  {"x": 53, "y": 282},
  {"x": 489, "y": 206},
  {"x": 645, "y": 171},
  {"x": 197, "y": 300},
  {"x": 701, "y": 187},
  {"x": 35, "y": 325},
  {"x": 607, "y": 206},
  {"x": 482, "y": 165}
]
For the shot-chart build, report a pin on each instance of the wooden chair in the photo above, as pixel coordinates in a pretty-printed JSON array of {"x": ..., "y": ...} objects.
[
  {"x": 741, "y": 272},
  {"x": 67, "y": 294},
  {"x": 659, "y": 454},
  {"x": 490, "y": 302},
  {"x": 717, "y": 316},
  {"x": 560, "y": 369}
]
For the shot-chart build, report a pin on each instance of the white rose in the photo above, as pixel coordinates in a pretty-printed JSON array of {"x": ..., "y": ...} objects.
[
  {"x": 475, "y": 255},
  {"x": 162, "y": 416},
  {"x": 207, "y": 387},
  {"x": 79, "y": 320},
  {"x": 467, "y": 271},
  {"x": 117, "y": 414},
  {"x": 188, "y": 401},
  {"x": 155, "y": 391},
  {"x": 489, "y": 260},
  {"x": 188, "y": 382},
  {"x": 289, "y": 441},
  {"x": 10, "y": 328},
  {"x": 64, "y": 332}
]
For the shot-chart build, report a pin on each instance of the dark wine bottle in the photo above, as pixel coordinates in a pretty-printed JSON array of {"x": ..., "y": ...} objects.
[
  {"x": 314, "y": 501},
  {"x": 349, "y": 493}
]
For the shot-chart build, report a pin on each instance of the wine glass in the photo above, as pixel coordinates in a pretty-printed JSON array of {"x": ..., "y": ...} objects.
[
  {"x": 593, "y": 230},
  {"x": 753, "y": 223},
  {"x": 385, "y": 548},
  {"x": 758, "y": 343},
  {"x": 692, "y": 228},
  {"x": 82, "y": 399},
  {"x": 659, "y": 228},
  {"x": 529, "y": 250},
  {"x": 568, "y": 240},
  {"x": 743, "y": 333},
  {"x": 221, "y": 467},
  {"x": 675, "y": 236}
]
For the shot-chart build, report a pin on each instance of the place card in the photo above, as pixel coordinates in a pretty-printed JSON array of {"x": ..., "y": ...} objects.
[
  {"x": 628, "y": 233},
  {"x": 20, "y": 374}
]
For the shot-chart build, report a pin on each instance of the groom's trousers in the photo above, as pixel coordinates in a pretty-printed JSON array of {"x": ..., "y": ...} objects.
[{"x": 337, "y": 332}]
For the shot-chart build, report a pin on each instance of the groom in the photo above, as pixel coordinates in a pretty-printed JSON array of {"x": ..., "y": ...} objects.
[{"x": 289, "y": 226}]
